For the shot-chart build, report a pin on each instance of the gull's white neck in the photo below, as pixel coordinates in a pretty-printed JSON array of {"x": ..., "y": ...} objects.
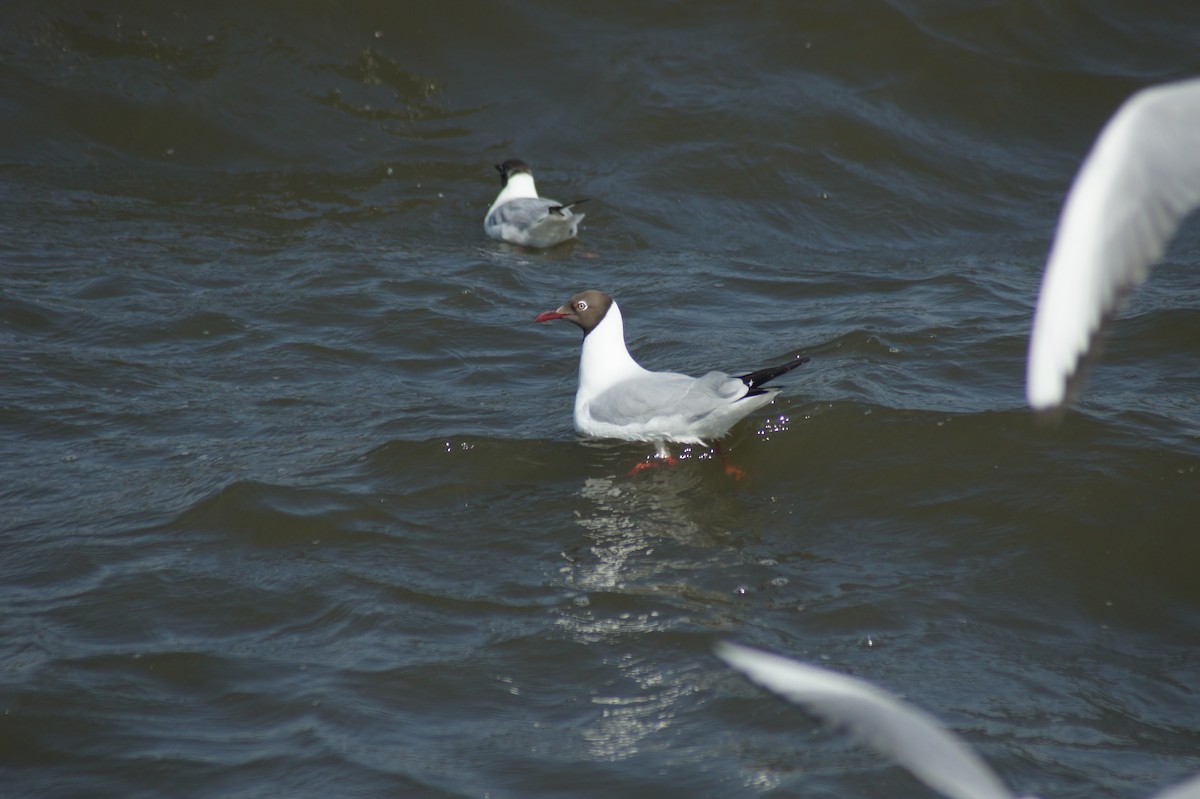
[
  {"x": 519, "y": 186},
  {"x": 605, "y": 360}
]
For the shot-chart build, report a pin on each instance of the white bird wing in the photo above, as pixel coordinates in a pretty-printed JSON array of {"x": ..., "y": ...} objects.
[
  {"x": 1139, "y": 181},
  {"x": 656, "y": 395},
  {"x": 910, "y": 736},
  {"x": 1188, "y": 789}
]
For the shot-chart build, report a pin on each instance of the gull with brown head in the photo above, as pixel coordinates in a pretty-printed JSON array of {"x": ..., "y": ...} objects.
[{"x": 617, "y": 398}]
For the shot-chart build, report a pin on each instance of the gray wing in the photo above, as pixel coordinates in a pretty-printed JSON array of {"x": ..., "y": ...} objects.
[
  {"x": 660, "y": 394},
  {"x": 524, "y": 212},
  {"x": 894, "y": 728},
  {"x": 1140, "y": 179}
]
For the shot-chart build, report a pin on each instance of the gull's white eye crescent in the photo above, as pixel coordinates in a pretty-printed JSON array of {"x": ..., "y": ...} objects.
[{"x": 581, "y": 305}]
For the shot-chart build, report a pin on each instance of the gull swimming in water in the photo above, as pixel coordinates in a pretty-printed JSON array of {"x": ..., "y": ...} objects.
[
  {"x": 1139, "y": 181},
  {"x": 617, "y": 398},
  {"x": 894, "y": 728},
  {"x": 520, "y": 216}
]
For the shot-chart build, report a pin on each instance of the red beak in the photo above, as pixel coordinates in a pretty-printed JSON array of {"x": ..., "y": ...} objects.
[{"x": 549, "y": 316}]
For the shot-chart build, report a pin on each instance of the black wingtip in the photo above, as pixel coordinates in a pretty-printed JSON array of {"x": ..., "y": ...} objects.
[
  {"x": 756, "y": 379},
  {"x": 558, "y": 209}
]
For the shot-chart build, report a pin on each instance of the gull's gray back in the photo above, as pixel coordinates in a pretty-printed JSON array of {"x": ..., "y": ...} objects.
[{"x": 660, "y": 394}]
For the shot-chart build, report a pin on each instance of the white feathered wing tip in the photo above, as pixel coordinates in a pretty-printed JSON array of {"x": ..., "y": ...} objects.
[
  {"x": 894, "y": 728},
  {"x": 1139, "y": 181},
  {"x": 906, "y": 734},
  {"x": 1188, "y": 789}
]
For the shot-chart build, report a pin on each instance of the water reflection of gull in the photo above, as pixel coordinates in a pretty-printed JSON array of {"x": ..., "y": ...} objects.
[
  {"x": 627, "y": 722},
  {"x": 894, "y": 728},
  {"x": 627, "y": 518},
  {"x": 644, "y": 540}
]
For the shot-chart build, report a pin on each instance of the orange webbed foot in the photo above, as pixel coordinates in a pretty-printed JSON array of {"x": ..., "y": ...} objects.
[
  {"x": 669, "y": 460},
  {"x": 736, "y": 472}
]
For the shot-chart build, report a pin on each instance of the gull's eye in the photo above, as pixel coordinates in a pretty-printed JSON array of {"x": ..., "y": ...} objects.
[{"x": 581, "y": 305}]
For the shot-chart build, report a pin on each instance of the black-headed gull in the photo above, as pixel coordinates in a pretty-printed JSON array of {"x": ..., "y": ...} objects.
[
  {"x": 617, "y": 398},
  {"x": 520, "y": 216},
  {"x": 1140, "y": 179},
  {"x": 894, "y": 728}
]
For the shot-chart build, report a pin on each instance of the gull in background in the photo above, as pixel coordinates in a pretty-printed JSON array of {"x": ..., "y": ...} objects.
[
  {"x": 1139, "y": 181},
  {"x": 617, "y": 398},
  {"x": 894, "y": 728},
  {"x": 520, "y": 216}
]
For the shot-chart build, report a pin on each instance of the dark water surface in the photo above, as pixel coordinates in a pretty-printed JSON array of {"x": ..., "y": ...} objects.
[{"x": 290, "y": 499}]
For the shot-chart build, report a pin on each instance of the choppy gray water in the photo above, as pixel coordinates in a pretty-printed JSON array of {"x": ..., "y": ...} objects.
[{"x": 290, "y": 499}]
